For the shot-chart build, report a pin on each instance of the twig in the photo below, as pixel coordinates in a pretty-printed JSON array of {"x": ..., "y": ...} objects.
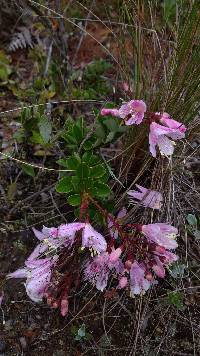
[
  {"x": 54, "y": 203},
  {"x": 53, "y": 103},
  {"x": 48, "y": 58}
]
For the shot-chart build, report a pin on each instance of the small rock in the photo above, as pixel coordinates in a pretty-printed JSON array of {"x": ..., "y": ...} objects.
[
  {"x": 38, "y": 317},
  {"x": 23, "y": 342}
]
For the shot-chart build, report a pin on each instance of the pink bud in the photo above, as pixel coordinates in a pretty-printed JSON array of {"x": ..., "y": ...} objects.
[
  {"x": 125, "y": 86},
  {"x": 123, "y": 282},
  {"x": 128, "y": 264},
  {"x": 160, "y": 249},
  {"x": 159, "y": 271},
  {"x": 112, "y": 112},
  {"x": 114, "y": 256},
  {"x": 64, "y": 307},
  {"x": 149, "y": 276}
]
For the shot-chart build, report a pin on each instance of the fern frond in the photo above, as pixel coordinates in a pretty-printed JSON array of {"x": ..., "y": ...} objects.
[{"x": 21, "y": 40}]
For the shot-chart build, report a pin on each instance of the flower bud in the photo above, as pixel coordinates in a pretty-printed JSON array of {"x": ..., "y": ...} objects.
[
  {"x": 123, "y": 282},
  {"x": 149, "y": 276},
  {"x": 128, "y": 264},
  {"x": 64, "y": 307}
]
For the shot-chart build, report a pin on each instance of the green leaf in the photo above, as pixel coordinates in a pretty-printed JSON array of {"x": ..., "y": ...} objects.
[
  {"x": 76, "y": 184},
  {"x": 177, "y": 270},
  {"x": 74, "y": 199},
  {"x": 45, "y": 128},
  {"x": 97, "y": 171},
  {"x": 175, "y": 299},
  {"x": 88, "y": 145},
  {"x": 73, "y": 162},
  {"x": 90, "y": 159},
  {"x": 37, "y": 138},
  {"x": 62, "y": 162},
  {"x": 28, "y": 170},
  {"x": 192, "y": 220},
  {"x": 100, "y": 132},
  {"x": 64, "y": 185},
  {"x": 101, "y": 190},
  {"x": 70, "y": 138},
  {"x": 110, "y": 137},
  {"x": 111, "y": 124},
  {"x": 83, "y": 171}
]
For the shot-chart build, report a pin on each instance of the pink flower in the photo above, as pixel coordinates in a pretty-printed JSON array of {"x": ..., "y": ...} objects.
[
  {"x": 159, "y": 136},
  {"x": 115, "y": 254},
  {"x": 149, "y": 198},
  {"x": 112, "y": 229},
  {"x": 161, "y": 234},
  {"x": 133, "y": 112},
  {"x": 98, "y": 270},
  {"x": 37, "y": 274},
  {"x": 93, "y": 239},
  {"x": 138, "y": 283},
  {"x": 112, "y": 112}
]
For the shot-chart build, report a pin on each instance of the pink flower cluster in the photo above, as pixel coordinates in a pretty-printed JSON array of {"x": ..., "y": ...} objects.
[
  {"x": 130, "y": 269},
  {"x": 163, "y": 129}
]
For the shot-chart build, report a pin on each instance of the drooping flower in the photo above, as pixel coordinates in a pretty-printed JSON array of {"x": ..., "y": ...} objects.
[
  {"x": 162, "y": 258},
  {"x": 138, "y": 283},
  {"x": 161, "y": 234},
  {"x": 173, "y": 124},
  {"x": 167, "y": 256},
  {"x": 149, "y": 198},
  {"x": 112, "y": 228},
  {"x": 158, "y": 267},
  {"x": 93, "y": 239},
  {"x": 97, "y": 270},
  {"x": 67, "y": 232},
  {"x": 37, "y": 274},
  {"x": 163, "y": 136},
  {"x": 131, "y": 112}
]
